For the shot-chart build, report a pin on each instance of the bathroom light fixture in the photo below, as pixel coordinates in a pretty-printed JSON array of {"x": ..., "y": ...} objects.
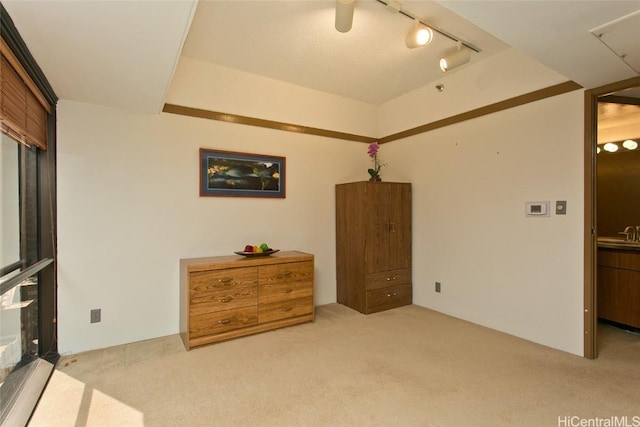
[
  {"x": 610, "y": 147},
  {"x": 418, "y": 35},
  {"x": 630, "y": 144},
  {"x": 344, "y": 15},
  {"x": 460, "y": 56}
]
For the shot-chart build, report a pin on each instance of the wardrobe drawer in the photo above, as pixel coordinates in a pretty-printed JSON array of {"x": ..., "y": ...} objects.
[
  {"x": 386, "y": 298},
  {"x": 385, "y": 279}
]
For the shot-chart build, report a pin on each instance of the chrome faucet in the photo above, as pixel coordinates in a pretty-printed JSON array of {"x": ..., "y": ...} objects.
[{"x": 630, "y": 233}]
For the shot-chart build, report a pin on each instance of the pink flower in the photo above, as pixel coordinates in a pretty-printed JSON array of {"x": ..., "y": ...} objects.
[{"x": 373, "y": 149}]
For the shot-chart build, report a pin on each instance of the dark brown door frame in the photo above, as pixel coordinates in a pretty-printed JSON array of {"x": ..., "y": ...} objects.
[{"x": 590, "y": 197}]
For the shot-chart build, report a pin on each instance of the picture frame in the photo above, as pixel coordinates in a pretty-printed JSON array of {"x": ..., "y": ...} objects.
[{"x": 235, "y": 174}]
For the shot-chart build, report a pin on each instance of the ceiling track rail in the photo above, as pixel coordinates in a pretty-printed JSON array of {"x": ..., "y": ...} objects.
[{"x": 440, "y": 31}]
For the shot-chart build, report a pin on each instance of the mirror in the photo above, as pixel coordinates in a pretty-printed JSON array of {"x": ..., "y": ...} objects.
[{"x": 618, "y": 163}]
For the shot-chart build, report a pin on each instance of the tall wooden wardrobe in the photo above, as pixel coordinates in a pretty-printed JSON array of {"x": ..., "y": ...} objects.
[{"x": 373, "y": 245}]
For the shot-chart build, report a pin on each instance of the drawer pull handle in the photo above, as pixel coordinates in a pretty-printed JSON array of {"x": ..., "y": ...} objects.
[
  {"x": 393, "y": 294},
  {"x": 226, "y": 299},
  {"x": 224, "y": 322},
  {"x": 391, "y": 278},
  {"x": 227, "y": 280},
  {"x": 287, "y": 291},
  {"x": 287, "y": 309}
]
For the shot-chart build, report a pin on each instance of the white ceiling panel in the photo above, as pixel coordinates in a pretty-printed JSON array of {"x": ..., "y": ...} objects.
[
  {"x": 115, "y": 53},
  {"x": 622, "y": 36}
]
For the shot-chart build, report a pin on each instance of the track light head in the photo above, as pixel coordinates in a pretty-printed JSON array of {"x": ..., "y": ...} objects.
[
  {"x": 344, "y": 15},
  {"x": 418, "y": 35},
  {"x": 460, "y": 56}
]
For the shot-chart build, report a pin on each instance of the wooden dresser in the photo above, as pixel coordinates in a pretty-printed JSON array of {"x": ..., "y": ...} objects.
[
  {"x": 226, "y": 297},
  {"x": 373, "y": 245}
]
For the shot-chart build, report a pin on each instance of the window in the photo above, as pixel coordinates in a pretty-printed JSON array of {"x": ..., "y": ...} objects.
[{"x": 28, "y": 348}]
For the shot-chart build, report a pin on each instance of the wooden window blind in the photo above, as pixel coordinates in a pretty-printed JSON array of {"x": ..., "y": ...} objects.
[{"x": 23, "y": 114}]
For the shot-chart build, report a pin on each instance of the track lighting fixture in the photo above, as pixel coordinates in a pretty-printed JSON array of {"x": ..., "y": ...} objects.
[
  {"x": 455, "y": 59},
  {"x": 418, "y": 35},
  {"x": 344, "y": 15}
]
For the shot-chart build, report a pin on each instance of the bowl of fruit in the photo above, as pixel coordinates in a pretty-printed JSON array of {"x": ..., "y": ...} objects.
[{"x": 253, "y": 250}]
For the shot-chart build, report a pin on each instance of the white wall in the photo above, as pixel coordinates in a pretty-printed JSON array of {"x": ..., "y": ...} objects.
[
  {"x": 129, "y": 209},
  {"x": 498, "y": 268},
  {"x": 199, "y": 84},
  {"x": 503, "y": 76},
  {"x": 523, "y": 276}
]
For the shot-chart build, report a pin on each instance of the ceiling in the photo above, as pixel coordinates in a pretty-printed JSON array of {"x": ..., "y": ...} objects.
[
  {"x": 123, "y": 54},
  {"x": 296, "y": 41}
]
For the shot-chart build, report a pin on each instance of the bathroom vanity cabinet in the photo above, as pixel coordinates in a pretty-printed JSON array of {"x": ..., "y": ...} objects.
[{"x": 619, "y": 285}]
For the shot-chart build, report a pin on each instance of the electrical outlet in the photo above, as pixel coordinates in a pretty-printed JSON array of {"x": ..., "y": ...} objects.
[
  {"x": 438, "y": 285},
  {"x": 96, "y": 314}
]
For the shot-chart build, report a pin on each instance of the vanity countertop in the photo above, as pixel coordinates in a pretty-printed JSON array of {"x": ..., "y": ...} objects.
[{"x": 617, "y": 243}]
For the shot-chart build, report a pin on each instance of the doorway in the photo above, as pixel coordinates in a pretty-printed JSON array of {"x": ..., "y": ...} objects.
[{"x": 590, "y": 232}]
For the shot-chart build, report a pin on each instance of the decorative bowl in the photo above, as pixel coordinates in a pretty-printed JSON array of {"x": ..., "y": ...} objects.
[{"x": 256, "y": 254}]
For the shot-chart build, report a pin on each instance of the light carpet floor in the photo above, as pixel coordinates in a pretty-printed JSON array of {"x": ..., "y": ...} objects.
[{"x": 405, "y": 367}]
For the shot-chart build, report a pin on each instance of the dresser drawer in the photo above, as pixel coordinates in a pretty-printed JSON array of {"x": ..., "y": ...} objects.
[
  {"x": 216, "y": 280},
  {"x": 276, "y": 292},
  {"x": 222, "y": 321},
  {"x": 285, "y": 309},
  {"x": 286, "y": 273},
  {"x": 388, "y": 278},
  {"x": 386, "y": 298},
  {"x": 208, "y": 302}
]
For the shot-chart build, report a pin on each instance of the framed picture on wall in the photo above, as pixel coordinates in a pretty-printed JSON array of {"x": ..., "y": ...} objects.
[{"x": 229, "y": 173}]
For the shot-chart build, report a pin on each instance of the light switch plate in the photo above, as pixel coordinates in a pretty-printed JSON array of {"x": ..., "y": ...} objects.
[{"x": 561, "y": 207}]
